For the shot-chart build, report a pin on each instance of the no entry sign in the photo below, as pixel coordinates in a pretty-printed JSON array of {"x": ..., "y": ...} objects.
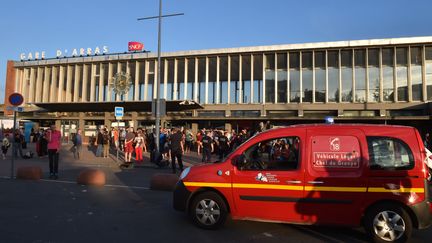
[{"x": 16, "y": 99}]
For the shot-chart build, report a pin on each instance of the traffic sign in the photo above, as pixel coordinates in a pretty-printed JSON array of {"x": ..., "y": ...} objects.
[
  {"x": 118, "y": 111},
  {"x": 15, "y": 108},
  {"x": 16, "y": 99}
]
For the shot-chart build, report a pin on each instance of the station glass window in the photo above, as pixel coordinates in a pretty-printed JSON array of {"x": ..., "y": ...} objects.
[
  {"x": 211, "y": 99},
  {"x": 387, "y": 66},
  {"x": 347, "y": 75},
  {"x": 282, "y": 78},
  {"x": 416, "y": 73},
  {"x": 360, "y": 75},
  {"x": 201, "y": 80},
  {"x": 235, "y": 80},
  {"x": 307, "y": 78},
  {"x": 402, "y": 73},
  {"x": 190, "y": 82},
  {"x": 294, "y": 76},
  {"x": 320, "y": 76},
  {"x": 180, "y": 79},
  {"x": 428, "y": 56},
  {"x": 333, "y": 76},
  {"x": 374, "y": 75},
  {"x": 246, "y": 78},
  {"x": 257, "y": 79},
  {"x": 223, "y": 80},
  {"x": 270, "y": 78}
]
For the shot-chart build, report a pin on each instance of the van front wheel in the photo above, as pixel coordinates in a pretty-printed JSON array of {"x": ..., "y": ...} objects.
[
  {"x": 208, "y": 210},
  {"x": 388, "y": 223}
]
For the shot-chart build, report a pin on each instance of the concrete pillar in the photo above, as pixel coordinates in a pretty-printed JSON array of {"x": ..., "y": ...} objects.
[
  {"x": 38, "y": 85},
  {"x": 69, "y": 84},
  {"x": 53, "y": 89},
  {"x": 228, "y": 127},
  {"x": 110, "y": 75},
  {"x": 175, "y": 97},
  {"x": 32, "y": 84},
  {"x": 92, "y": 83},
  {"x": 85, "y": 83},
  {"x": 101, "y": 82},
  {"x": 81, "y": 125},
  {"x": 165, "y": 80},
  {"x": 107, "y": 120},
  {"x": 194, "y": 128},
  {"x": 134, "y": 119},
  {"x": 61, "y": 85},
  {"x": 46, "y": 85},
  {"x": 137, "y": 84},
  {"x": 146, "y": 66},
  {"x": 119, "y": 69},
  {"x": 76, "y": 81},
  {"x": 24, "y": 86}
]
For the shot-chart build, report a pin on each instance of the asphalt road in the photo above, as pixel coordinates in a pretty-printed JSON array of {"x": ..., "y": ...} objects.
[{"x": 62, "y": 211}]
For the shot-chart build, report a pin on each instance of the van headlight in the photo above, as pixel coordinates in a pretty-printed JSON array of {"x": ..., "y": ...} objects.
[{"x": 184, "y": 173}]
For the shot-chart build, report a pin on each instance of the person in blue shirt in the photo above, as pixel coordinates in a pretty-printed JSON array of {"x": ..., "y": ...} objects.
[{"x": 77, "y": 144}]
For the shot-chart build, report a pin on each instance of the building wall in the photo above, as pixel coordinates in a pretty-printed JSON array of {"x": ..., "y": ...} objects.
[
  {"x": 371, "y": 79},
  {"x": 10, "y": 86}
]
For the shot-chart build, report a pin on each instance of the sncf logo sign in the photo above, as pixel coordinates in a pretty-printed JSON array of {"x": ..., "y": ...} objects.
[
  {"x": 334, "y": 144},
  {"x": 135, "y": 46}
]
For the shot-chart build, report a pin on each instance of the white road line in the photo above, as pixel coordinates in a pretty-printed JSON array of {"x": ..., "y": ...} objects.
[{"x": 74, "y": 182}]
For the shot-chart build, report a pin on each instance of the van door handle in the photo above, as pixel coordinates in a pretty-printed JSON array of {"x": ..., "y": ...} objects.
[
  {"x": 316, "y": 182},
  {"x": 293, "y": 182}
]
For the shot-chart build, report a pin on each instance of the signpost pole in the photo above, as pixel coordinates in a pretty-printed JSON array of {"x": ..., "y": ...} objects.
[
  {"x": 118, "y": 141},
  {"x": 13, "y": 146}
]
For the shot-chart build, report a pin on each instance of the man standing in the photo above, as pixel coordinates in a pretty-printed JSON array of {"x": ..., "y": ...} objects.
[
  {"x": 130, "y": 136},
  {"x": 99, "y": 143},
  {"x": 207, "y": 144},
  {"x": 77, "y": 142},
  {"x": 18, "y": 140},
  {"x": 177, "y": 149},
  {"x": 54, "y": 144},
  {"x": 223, "y": 145}
]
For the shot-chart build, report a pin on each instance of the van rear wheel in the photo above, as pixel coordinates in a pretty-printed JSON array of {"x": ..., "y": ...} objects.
[
  {"x": 208, "y": 210},
  {"x": 388, "y": 223}
]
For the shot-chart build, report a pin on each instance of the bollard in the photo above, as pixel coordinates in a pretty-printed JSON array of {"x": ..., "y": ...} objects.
[
  {"x": 29, "y": 173},
  {"x": 91, "y": 177}
]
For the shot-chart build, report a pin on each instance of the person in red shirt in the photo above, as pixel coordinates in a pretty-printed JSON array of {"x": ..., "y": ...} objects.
[{"x": 54, "y": 144}]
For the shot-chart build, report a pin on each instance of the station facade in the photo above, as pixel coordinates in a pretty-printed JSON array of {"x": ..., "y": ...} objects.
[{"x": 387, "y": 81}]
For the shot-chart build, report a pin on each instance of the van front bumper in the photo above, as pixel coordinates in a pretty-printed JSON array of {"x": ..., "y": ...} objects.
[{"x": 181, "y": 196}]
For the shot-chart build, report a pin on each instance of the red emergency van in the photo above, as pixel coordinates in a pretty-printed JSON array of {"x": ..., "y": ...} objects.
[{"x": 339, "y": 174}]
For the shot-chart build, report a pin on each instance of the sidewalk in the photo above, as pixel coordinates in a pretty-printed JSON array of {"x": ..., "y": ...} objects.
[{"x": 69, "y": 167}]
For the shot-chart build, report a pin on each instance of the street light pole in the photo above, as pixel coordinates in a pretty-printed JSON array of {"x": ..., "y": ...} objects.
[{"x": 157, "y": 105}]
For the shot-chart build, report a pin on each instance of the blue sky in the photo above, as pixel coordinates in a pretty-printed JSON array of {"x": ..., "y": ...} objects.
[{"x": 30, "y": 26}]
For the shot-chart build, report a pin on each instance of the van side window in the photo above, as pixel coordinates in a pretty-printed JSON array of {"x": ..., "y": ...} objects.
[
  {"x": 274, "y": 154},
  {"x": 389, "y": 153}
]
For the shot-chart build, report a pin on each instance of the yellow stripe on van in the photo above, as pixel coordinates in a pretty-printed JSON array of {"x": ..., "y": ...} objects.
[
  {"x": 306, "y": 188},
  {"x": 402, "y": 190},
  {"x": 268, "y": 186},
  {"x": 335, "y": 189},
  {"x": 207, "y": 184}
]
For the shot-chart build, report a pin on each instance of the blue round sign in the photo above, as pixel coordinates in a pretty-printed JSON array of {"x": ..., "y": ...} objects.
[{"x": 16, "y": 99}]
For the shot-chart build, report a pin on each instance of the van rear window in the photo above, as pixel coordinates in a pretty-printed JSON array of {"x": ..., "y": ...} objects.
[{"x": 389, "y": 154}]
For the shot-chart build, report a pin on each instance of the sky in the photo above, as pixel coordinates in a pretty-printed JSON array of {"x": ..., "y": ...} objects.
[{"x": 47, "y": 25}]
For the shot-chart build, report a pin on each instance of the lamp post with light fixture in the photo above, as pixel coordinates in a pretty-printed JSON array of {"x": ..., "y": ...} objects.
[{"x": 158, "y": 103}]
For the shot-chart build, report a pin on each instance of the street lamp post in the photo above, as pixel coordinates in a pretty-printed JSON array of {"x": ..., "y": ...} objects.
[{"x": 157, "y": 108}]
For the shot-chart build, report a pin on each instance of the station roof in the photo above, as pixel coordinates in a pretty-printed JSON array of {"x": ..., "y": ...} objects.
[{"x": 129, "y": 106}]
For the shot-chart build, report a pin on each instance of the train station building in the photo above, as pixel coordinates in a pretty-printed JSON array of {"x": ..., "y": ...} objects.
[{"x": 387, "y": 81}]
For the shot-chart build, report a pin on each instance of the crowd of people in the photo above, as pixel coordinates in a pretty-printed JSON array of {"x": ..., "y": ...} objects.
[{"x": 173, "y": 143}]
